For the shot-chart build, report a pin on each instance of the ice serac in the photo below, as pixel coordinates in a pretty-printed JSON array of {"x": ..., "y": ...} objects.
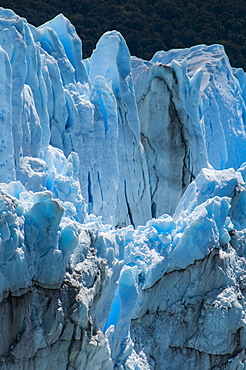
[
  {"x": 182, "y": 274},
  {"x": 202, "y": 299},
  {"x": 221, "y": 105},
  {"x": 7, "y": 156},
  {"x": 122, "y": 204},
  {"x": 41, "y": 304},
  {"x": 171, "y": 132},
  {"x": 71, "y": 43},
  {"x": 101, "y": 123},
  {"x": 111, "y": 59},
  {"x": 28, "y": 130}
]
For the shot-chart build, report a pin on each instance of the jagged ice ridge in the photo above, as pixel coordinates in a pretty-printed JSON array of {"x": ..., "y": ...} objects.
[{"x": 122, "y": 204}]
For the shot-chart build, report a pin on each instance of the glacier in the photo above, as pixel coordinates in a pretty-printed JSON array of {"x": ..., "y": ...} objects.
[{"x": 122, "y": 204}]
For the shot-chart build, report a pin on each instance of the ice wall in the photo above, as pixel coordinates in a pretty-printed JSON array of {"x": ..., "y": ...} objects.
[
  {"x": 221, "y": 105},
  {"x": 191, "y": 107},
  {"x": 166, "y": 295},
  {"x": 134, "y": 141},
  {"x": 57, "y": 101},
  {"x": 122, "y": 204}
]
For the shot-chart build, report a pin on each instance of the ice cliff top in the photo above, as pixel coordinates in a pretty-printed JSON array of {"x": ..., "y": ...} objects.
[{"x": 122, "y": 203}]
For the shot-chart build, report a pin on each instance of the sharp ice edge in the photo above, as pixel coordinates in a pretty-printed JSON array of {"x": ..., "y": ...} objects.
[{"x": 81, "y": 288}]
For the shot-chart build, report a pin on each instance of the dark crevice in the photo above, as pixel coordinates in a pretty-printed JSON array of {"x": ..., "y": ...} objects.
[
  {"x": 213, "y": 253},
  {"x": 90, "y": 195},
  {"x": 128, "y": 206},
  {"x": 100, "y": 187},
  {"x": 152, "y": 191},
  {"x": 153, "y": 209},
  {"x": 187, "y": 175}
]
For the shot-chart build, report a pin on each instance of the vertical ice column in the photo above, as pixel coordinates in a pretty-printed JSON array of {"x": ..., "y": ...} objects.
[
  {"x": 7, "y": 171},
  {"x": 111, "y": 59},
  {"x": 16, "y": 38},
  {"x": 71, "y": 42},
  {"x": 105, "y": 172},
  {"x": 36, "y": 81},
  {"x": 12, "y": 42}
]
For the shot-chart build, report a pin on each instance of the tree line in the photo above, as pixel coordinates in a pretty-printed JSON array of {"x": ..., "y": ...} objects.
[{"x": 148, "y": 25}]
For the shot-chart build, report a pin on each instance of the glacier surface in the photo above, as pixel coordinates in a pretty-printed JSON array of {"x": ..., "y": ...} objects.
[{"x": 122, "y": 204}]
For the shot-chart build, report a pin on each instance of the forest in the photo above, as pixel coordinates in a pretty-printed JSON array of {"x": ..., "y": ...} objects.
[{"x": 148, "y": 25}]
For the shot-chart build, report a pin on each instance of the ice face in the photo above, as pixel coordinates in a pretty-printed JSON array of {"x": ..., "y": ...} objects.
[
  {"x": 172, "y": 134},
  {"x": 122, "y": 204},
  {"x": 221, "y": 105},
  {"x": 124, "y": 277}
]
